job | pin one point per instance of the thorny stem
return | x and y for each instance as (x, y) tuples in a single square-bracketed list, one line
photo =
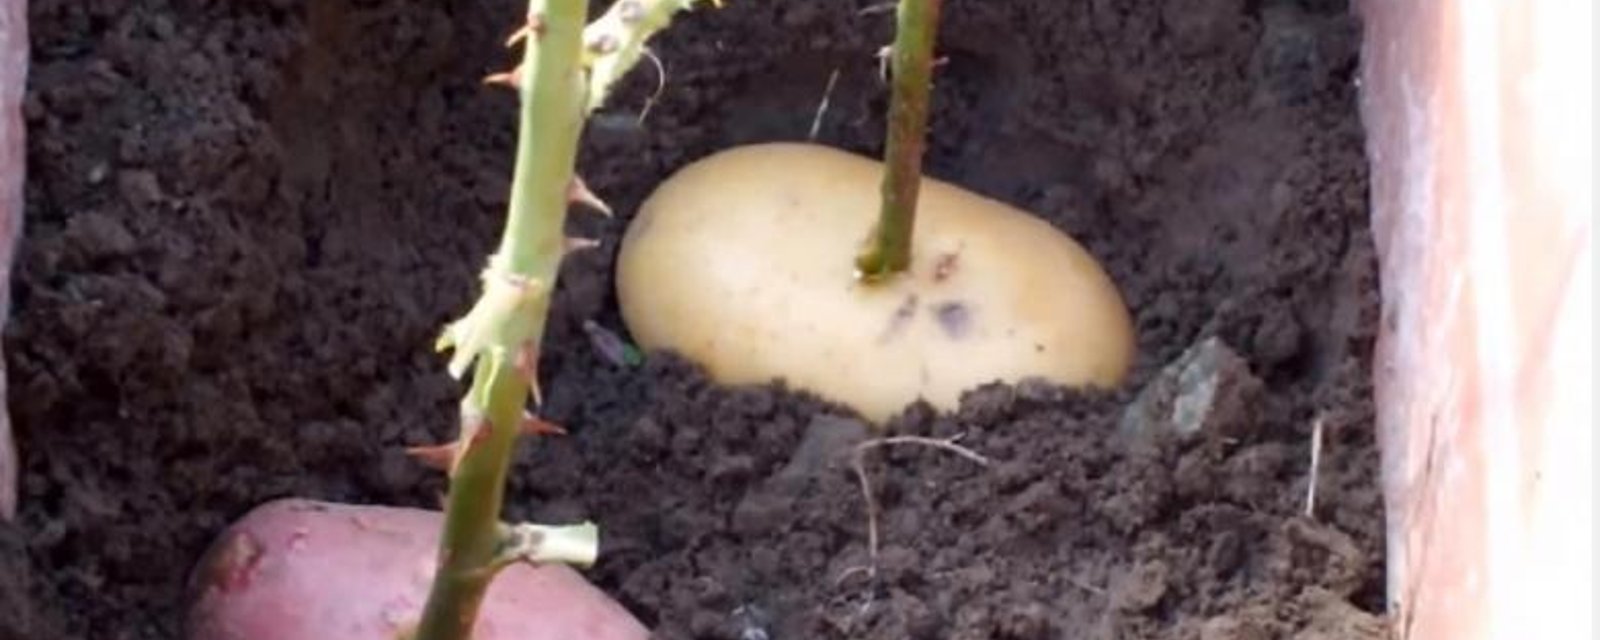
[(566, 72), (617, 40), (888, 251), (509, 318)]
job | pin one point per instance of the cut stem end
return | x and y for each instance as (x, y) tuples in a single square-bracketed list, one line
[(577, 545)]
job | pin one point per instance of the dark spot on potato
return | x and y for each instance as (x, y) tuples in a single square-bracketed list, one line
[(954, 317), (946, 266), (901, 317)]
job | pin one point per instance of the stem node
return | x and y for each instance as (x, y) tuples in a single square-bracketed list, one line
[(576, 545)]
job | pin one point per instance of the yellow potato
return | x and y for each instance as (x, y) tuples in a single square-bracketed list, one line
[(743, 262)]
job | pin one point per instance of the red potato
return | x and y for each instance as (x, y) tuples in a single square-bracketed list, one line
[(304, 570)]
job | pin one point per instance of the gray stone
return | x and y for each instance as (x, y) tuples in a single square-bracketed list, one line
[(98, 235), (1209, 389), (139, 187), (826, 445), (827, 442), (1142, 587)]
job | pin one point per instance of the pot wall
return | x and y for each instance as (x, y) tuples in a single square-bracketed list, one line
[(1479, 135)]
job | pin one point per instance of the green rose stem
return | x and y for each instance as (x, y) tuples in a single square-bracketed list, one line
[(566, 73), (888, 251)]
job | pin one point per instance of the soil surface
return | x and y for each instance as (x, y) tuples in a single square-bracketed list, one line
[(246, 222)]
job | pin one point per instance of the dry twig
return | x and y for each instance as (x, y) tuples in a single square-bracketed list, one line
[(1316, 462), (859, 464), (822, 107)]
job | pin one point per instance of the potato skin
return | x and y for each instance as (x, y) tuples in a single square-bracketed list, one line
[(742, 261), (296, 569)]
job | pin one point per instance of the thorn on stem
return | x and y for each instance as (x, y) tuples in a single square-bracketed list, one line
[(534, 27), (440, 457), (446, 340), (512, 78), (447, 457), (517, 36), (535, 426), (474, 428), (579, 192), (527, 364)]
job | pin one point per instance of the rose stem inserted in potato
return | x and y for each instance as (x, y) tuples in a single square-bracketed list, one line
[(888, 250), (566, 73), (750, 263)]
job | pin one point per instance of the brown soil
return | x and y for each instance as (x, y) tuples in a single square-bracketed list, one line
[(247, 221)]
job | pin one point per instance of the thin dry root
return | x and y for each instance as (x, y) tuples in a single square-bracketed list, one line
[(882, 7), (1089, 588), (822, 107), (661, 84), (859, 464), (1316, 462)]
